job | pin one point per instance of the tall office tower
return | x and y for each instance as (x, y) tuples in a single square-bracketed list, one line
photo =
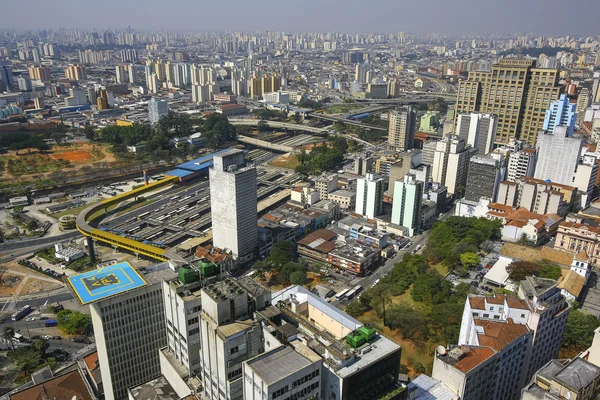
[(75, 72), (531, 327), (182, 310), (24, 84), (596, 88), (406, 207), (128, 315), (401, 131), (6, 76), (478, 130), (451, 163), (583, 101), (152, 83), (233, 204), (369, 196), (483, 178), (515, 91), (121, 74), (229, 335), (360, 74), (157, 108), (131, 73), (561, 113), (521, 163), (557, 156)]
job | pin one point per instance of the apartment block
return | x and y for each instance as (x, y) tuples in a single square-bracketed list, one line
[(483, 178), (478, 130), (451, 163), (369, 196), (402, 128), (326, 184), (406, 207), (537, 196)]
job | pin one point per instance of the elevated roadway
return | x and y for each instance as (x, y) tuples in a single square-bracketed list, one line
[(281, 125), (264, 144)]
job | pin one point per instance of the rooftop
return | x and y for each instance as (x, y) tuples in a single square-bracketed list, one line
[(465, 358), (534, 286), (572, 283), (277, 364), (424, 387), (499, 334), (63, 387), (158, 388), (577, 374)]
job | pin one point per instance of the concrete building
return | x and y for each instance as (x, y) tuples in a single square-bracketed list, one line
[(326, 184), (521, 163), (369, 196), (562, 112), (402, 129), (129, 326), (406, 207), (405, 162), (75, 72), (346, 199), (483, 178), (585, 177), (557, 156), (157, 108), (121, 73), (514, 84), (451, 163), (478, 130), (537, 196), (429, 122), (233, 204), (41, 73)]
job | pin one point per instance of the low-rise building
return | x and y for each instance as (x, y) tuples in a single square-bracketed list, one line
[(353, 258), (345, 198), (317, 245), (521, 223)]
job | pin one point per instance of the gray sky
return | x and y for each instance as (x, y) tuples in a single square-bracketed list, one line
[(549, 17)]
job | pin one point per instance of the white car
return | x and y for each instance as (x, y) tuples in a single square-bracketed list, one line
[(30, 319), (46, 337)]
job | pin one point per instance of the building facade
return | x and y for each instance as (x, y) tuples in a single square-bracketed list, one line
[(561, 113), (557, 156), (483, 178), (369, 196), (478, 130), (402, 129), (406, 207)]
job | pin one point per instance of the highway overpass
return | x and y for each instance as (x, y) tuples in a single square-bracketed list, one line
[(264, 144), (281, 125)]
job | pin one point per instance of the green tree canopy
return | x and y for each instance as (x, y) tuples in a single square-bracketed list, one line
[(74, 322)]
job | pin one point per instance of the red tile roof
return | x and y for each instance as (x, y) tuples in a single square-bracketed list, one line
[(474, 357), (64, 387), (499, 334)]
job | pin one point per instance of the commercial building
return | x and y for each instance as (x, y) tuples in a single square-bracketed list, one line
[(406, 207), (325, 184), (369, 196), (402, 128), (557, 156), (478, 130), (537, 196), (515, 91), (484, 177), (354, 258), (521, 163), (157, 108), (451, 163), (429, 122), (404, 163), (233, 204), (562, 112), (346, 199), (128, 315)]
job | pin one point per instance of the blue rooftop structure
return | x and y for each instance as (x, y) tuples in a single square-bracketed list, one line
[(200, 163), (105, 282), (180, 173)]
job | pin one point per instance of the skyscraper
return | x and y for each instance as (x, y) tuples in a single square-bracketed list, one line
[(514, 90), (360, 74), (233, 204), (402, 128), (6, 76), (131, 74), (451, 163), (369, 196), (483, 178), (478, 130), (121, 73), (406, 208), (558, 156), (157, 108), (75, 72), (561, 113)]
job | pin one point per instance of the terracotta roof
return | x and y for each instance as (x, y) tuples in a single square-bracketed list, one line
[(477, 303), (572, 283), (64, 387), (582, 256), (500, 206), (473, 358), (516, 303), (498, 299), (91, 361), (499, 334), (556, 255)]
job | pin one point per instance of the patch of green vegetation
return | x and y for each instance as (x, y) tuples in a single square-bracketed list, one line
[(74, 322), (70, 211)]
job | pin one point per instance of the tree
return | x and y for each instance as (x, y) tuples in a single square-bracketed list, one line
[(469, 260), (58, 137), (518, 270), (32, 225), (262, 126), (282, 252), (356, 308), (9, 333), (579, 331), (74, 322), (89, 131), (298, 278), (297, 117), (381, 296), (41, 346)]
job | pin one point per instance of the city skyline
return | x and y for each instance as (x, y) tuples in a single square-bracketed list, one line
[(450, 18)]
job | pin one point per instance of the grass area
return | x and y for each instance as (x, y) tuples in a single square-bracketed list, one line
[(288, 160), (439, 267), (404, 298), (73, 211), (341, 108), (34, 163)]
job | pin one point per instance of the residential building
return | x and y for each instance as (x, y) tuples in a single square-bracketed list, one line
[(129, 326), (121, 71), (41, 73), (585, 177), (521, 163), (451, 163), (406, 207), (369, 196), (405, 162), (537, 196), (346, 199), (75, 72), (429, 122), (354, 258), (233, 204), (562, 112), (515, 91), (157, 108), (325, 184), (483, 178), (478, 130), (402, 128), (564, 379), (557, 156), (6, 76)]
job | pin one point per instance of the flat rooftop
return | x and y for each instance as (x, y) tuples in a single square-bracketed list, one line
[(106, 282), (282, 362), (158, 388)]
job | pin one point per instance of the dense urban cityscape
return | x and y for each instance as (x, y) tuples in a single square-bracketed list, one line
[(269, 214)]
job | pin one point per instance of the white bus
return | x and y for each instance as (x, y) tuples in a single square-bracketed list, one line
[(342, 294)]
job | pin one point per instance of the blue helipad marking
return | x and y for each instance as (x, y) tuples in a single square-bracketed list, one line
[(105, 282)]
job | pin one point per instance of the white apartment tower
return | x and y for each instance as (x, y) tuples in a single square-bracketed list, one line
[(157, 108), (369, 196), (451, 163), (478, 130), (557, 156), (233, 204), (406, 207)]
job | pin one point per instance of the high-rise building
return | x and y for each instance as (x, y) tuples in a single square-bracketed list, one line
[(157, 108), (131, 73), (75, 72), (102, 100), (451, 163), (369, 196), (583, 101), (41, 73), (483, 178), (24, 84), (6, 76), (537, 196), (406, 207), (557, 156), (402, 128), (360, 74), (595, 95), (478, 130), (200, 93), (521, 163), (153, 83), (233, 204), (562, 112), (128, 315), (121, 73), (516, 92)]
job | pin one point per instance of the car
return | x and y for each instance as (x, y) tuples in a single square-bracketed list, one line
[(63, 266), (46, 337), (30, 319), (56, 338), (43, 318)]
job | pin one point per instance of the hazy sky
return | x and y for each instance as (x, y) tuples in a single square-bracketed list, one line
[(549, 17)]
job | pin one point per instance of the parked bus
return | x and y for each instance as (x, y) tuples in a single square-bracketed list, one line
[(174, 198), (341, 294), (21, 313), (143, 215), (353, 292), (51, 322)]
